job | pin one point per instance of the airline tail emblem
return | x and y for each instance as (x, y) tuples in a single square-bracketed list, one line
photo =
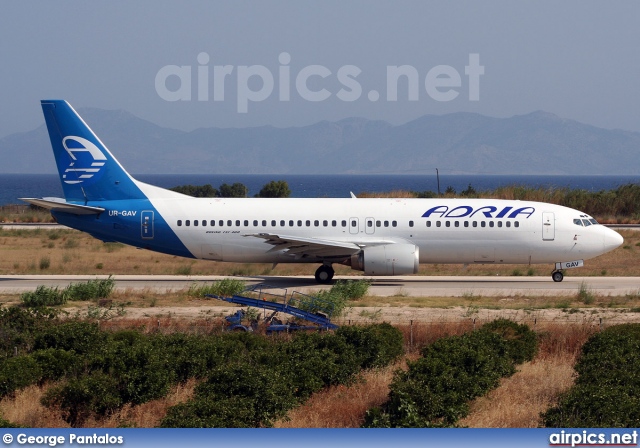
[(86, 160)]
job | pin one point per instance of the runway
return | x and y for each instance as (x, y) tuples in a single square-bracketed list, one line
[(414, 286)]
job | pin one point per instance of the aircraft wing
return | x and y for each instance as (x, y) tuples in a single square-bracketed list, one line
[(300, 247), (60, 205)]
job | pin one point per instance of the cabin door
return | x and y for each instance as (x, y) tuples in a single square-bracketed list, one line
[(548, 226)]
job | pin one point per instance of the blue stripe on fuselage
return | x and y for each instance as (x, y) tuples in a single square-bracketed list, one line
[(122, 222)]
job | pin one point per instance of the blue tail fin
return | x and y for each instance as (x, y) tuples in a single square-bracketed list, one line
[(87, 169)]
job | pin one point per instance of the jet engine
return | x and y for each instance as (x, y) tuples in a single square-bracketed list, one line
[(387, 259)]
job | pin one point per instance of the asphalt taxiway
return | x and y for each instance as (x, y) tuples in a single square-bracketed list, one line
[(415, 286)]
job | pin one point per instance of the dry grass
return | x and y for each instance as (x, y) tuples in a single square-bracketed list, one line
[(516, 403), (519, 400), (342, 406), (24, 408), (74, 252)]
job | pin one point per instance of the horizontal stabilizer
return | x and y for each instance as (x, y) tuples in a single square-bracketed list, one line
[(60, 205)]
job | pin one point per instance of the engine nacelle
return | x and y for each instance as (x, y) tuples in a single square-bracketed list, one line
[(387, 259)]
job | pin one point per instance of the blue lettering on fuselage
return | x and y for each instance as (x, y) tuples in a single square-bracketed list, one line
[(489, 211)]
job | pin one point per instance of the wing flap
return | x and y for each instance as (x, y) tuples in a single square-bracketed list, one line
[(300, 247)]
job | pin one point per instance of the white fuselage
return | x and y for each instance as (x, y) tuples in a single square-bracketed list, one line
[(455, 231)]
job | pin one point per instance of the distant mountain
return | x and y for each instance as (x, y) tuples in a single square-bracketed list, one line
[(536, 143)]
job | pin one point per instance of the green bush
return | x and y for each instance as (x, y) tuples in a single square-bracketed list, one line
[(436, 389), (227, 287), (46, 296), (521, 341), (18, 372), (78, 399), (607, 390), (376, 345), (91, 290), (43, 296)]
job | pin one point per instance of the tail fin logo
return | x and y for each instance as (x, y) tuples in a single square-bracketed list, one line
[(86, 160)]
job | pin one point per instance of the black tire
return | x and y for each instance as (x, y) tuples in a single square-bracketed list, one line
[(557, 276), (324, 274)]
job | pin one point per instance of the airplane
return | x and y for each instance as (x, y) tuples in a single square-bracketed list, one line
[(381, 237)]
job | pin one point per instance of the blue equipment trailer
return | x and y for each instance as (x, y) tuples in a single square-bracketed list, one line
[(302, 306)]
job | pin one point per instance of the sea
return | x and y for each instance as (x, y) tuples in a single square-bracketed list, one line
[(14, 186)]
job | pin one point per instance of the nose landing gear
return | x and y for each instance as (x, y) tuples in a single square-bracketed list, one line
[(557, 276)]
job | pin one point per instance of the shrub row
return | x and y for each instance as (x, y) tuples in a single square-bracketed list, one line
[(46, 296), (256, 390), (607, 390), (97, 372), (436, 389)]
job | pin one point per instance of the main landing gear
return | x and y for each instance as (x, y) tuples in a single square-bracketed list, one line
[(557, 276), (324, 274)]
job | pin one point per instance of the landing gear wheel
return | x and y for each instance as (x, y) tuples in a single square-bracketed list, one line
[(557, 276), (324, 274)]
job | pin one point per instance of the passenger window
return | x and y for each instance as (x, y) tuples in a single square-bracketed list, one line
[(179, 222), (499, 223), (187, 223), (394, 223), (237, 223), (410, 223), (447, 223), (273, 223), (334, 223), (516, 224), (354, 223), (291, 223), (378, 224), (428, 223), (316, 223), (213, 223), (282, 223), (255, 223), (466, 223), (229, 222), (483, 224), (221, 223), (475, 223), (246, 223), (344, 223), (307, 223), (457, 223), (204, 223), (264, 223), (299, 223), (491, 223), (508, 224), (195, 223), (325, 223), (438, 223), (386, 223), (369, 223)]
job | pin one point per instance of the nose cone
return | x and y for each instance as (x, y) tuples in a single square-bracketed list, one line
[(612, 239)]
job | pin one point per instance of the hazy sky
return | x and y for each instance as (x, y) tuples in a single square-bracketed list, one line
[(295, 63)]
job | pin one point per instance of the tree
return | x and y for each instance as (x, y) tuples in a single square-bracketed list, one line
[(197, 191), (275, 189), (236, 190)]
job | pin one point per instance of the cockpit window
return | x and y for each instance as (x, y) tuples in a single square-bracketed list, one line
[(577, 222), (586, 222), (593, 221)]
